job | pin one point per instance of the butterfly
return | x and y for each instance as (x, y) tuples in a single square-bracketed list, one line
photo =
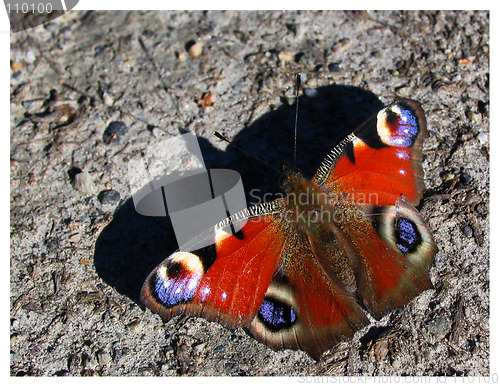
[(302, 271)]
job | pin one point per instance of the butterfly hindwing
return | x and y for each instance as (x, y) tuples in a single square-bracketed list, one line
[(304, 307), (395, 249)]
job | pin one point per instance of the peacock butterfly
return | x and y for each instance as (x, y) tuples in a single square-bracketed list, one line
[(302, 270)]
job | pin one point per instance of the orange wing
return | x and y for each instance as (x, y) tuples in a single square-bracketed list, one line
[(224, 282), (380, 162)]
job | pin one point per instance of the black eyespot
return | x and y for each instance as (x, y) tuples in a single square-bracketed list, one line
[(392, 117), (276, 315), (407, 236), (174, 268)]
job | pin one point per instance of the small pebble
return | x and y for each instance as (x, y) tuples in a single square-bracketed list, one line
[(108, 99), (103, 358), (28, 105), (83, 182), (52, 244), (30, 57), (135, 326), (15, 66), (87, 362), (404, 91), (447, 177), (220, 349), (230, 368), (51, 27), (483, 138), (397, 363), (341, 44), (183, 353), (381, 349), (334, 67), (311, 93), (99, 49), (285, 57), (439, 327), (117, 354), (476, 117), (66, 113), (289, 100), (109, 197), (465, 178), (114, 132), (467, 231), (196, 49)]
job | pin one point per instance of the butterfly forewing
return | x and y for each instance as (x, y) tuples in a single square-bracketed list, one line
[(225, 282), (380, 161)]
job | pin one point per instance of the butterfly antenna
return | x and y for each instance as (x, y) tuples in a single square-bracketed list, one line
[(297, 88), (220, 136)]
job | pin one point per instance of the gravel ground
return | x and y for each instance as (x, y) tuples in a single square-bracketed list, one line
[(79, 253)]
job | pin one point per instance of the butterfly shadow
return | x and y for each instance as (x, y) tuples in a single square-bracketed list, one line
[(132, 244)]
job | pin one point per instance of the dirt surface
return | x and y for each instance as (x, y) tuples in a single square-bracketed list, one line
[(79, 256)]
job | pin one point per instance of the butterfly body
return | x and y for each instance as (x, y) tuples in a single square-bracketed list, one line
[(301, 270)]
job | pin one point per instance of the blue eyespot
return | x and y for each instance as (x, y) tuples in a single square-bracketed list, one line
[(177, 290), (407, 236), (403, 127), (276, 315)]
